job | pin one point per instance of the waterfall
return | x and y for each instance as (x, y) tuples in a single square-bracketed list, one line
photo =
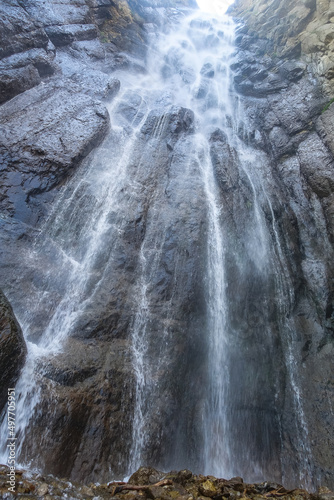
[(172, 216)]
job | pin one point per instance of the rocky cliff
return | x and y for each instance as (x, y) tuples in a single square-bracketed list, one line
[(56, 62), (284, 75), (66, 51), (57, 69), (149, 483), (13, 349)]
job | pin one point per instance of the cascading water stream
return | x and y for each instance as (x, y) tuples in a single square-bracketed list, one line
[(182, 55), (72, 248), (171, 169)]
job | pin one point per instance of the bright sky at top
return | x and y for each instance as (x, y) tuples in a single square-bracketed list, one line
[(214, 6)]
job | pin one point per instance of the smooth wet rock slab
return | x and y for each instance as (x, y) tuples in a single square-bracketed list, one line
[(59, 126)]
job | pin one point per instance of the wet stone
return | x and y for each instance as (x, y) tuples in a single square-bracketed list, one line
[(42, 490), (146, 475), (208, 489), (183, 476)]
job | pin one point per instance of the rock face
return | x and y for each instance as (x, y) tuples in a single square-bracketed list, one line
[(31, 36), (47, 46), (291, 30), (60, 113), (55, 69), (284, 78), (130, 256), (59, 127), (12, 349), (26, 53)]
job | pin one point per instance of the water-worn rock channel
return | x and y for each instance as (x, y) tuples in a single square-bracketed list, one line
[(167, 243)]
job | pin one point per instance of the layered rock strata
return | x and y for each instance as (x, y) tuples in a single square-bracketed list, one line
[(12, 349)]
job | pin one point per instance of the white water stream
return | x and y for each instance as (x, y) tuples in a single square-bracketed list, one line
[(188, 67)]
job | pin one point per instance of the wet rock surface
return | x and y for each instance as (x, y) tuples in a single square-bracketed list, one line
[(52, 76), (12, 349), (64, 50), (152, 484), (55, 77), (279, 75), (59, 127), (289, 30), (93, 383)]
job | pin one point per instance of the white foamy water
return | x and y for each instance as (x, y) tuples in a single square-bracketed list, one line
[(189, 67)]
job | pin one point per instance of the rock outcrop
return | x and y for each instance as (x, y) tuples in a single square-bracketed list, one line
[(289, 29), (93, 380), (12, 349), (55, 78), (60, 125), (285, 80)]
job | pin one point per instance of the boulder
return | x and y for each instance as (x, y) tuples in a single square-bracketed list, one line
[(12, 348), (207, 489), (146, 475), (66, 34)]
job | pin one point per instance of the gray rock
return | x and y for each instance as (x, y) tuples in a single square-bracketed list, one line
[(224, 160), (296, 106), (132, 107), (270, 85), (169, 124), (56, 12), (18, 31), (325, 127), (22, 71), (97, 84), (292, 70), (36, 57), (317, 164), (59, 126), (15, 81), (94, 49), (12, 349), (279, 138)]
